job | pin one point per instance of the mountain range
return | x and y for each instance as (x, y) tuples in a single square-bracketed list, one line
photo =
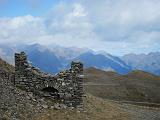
[(54, 58), (106, 95), (149, 62)]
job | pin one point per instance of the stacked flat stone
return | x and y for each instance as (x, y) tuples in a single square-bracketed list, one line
[(68, 83)]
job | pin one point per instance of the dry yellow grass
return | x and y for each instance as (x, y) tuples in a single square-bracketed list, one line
[(4, 66), (136, 86), (95, 109)]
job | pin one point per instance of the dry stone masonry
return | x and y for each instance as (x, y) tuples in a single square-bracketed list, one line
[(65, 87)]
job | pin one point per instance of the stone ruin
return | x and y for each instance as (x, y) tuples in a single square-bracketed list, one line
[(65, 87)]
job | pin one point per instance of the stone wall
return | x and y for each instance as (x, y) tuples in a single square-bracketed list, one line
[(66, 86)]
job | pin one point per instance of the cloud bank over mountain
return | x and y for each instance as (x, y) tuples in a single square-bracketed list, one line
[(118, 27)]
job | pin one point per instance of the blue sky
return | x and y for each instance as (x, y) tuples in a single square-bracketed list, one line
[(13, 8), (117, 27)]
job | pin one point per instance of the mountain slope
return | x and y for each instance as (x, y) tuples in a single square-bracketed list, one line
[(102, 62), (136, 86), (16, 104), (7, 53), (4, 66), (43, 58), (67, 53), (94, 109), (146, 62), (59, 58)]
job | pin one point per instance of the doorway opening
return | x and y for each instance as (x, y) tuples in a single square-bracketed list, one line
[(51, 92)]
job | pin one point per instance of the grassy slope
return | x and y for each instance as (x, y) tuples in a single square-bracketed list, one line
[(135, 86), (99, 109), (95, 109), (4, 66)]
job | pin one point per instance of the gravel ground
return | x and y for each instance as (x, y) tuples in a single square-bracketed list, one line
[(19, 105), (140, 112), (16, 104)]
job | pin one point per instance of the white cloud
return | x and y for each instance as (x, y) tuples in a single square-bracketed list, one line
[(115, 20), (21, 29), (72, 27), (115, 26)]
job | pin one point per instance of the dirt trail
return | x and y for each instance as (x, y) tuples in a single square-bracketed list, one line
[(141, 112)]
